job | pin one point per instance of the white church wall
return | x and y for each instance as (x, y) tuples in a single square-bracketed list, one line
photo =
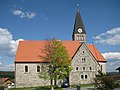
[(103, 67)]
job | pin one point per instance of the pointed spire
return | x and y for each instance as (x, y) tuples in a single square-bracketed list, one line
[(78, 6), (78, 22)]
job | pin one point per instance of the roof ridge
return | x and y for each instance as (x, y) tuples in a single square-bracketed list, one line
[(47, 40)]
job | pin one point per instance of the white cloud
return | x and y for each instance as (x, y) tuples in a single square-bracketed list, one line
[(8, 46), (9, 67), (23, 14), (13, 47), (30, 15), (0, 61), (113, 60), (112, 55), (113, 65), (111, 37)]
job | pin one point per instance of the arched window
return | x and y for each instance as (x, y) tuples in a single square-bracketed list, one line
[(85, 76), (38, 68), (78, 37), (82, 77), (26, 68), (90, 68), (82, 38), (83, 68), (76, 68)]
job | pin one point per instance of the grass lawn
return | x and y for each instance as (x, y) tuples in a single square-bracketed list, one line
[(48, 87), (83, 85), (36, 88)]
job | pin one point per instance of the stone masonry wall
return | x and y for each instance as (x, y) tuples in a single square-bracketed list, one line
[(83, 70), (30, 78)]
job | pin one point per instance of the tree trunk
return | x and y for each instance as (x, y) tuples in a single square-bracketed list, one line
[(52, 84), (52, 87)]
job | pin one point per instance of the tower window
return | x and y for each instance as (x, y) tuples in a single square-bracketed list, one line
[(82, 38), (26, 68), (85, 76), (78, 37), (38, 68), (82, 77), (76, 68)]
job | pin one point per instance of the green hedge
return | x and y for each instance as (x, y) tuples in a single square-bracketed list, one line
[(1, 87)]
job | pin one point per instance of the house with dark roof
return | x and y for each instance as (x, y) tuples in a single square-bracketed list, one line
[(86, 60), (118, 69)]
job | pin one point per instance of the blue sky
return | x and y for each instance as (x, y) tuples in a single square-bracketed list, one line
[(38, 19)]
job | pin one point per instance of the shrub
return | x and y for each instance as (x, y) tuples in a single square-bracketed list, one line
[(107, 82), (1, 87)]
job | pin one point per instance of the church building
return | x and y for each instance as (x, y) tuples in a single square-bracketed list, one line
[(86, 60)]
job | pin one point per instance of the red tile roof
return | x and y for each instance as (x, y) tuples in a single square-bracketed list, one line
[(30, 51), (98, 56)]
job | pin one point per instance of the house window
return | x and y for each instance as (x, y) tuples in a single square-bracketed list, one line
[(38, 68), (76, 68), (85, 76), (83, 68), (90, 68), (82, 77), (26, 68)]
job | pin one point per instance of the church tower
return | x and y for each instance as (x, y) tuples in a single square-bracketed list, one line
[(79, 33)]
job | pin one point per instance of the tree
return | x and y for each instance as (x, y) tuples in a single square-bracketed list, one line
[(59, 62)]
